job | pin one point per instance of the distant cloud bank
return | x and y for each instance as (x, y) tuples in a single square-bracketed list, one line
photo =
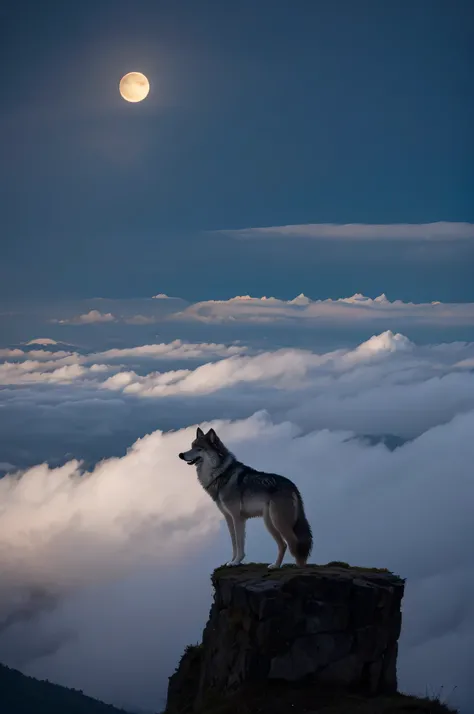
[(244, 308), (440, 231), (271, 310)]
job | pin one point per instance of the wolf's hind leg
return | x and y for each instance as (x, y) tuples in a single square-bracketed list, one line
[(283, 517), (276, 535)]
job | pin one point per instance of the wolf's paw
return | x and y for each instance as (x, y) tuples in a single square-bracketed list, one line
[(233, 563)]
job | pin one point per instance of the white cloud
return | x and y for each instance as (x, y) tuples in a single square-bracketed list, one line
[(23, 361), (348, 389), (132, 311), (42, 341), (61, 356), (13, 353), (47, 355), (99, 538), (67, 536), (177, 349), (88, 318), (341, 312), (345, 388), (112, 553), (280, 368), (442, 230), (30, 371), (245, 313), (90, 370), (45, 509), (380, 344)]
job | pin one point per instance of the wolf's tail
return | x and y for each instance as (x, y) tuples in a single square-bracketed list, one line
[(302, 530)]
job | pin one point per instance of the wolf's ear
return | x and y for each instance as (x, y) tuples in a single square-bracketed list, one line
[(199, 433), (212, 436)]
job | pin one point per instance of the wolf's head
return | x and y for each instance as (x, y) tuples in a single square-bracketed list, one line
[(206, 448)]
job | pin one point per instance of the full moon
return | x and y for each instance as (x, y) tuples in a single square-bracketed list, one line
[(134, 87)]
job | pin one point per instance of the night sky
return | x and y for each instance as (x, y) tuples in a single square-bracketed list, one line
[(323, 147), (260, 114)]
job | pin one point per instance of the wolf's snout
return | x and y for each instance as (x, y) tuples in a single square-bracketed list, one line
[(181, 455)]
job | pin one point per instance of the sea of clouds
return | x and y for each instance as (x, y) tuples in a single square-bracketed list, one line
[(106, 539)]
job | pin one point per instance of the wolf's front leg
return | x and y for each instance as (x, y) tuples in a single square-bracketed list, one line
[(239, 528), (230, 525)]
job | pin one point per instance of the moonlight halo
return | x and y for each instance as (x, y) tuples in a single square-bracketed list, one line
[(134, 87)]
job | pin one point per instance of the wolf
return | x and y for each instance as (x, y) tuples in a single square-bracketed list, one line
[(241, 492)]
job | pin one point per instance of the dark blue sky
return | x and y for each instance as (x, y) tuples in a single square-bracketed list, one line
[(260, 113)]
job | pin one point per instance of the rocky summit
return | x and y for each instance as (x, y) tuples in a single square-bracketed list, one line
[(295, 637)]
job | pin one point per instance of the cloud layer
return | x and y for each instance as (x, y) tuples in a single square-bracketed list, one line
[(343, 311), (96, 558), (67, 394), (82, 540), (440, 231), (293, 322)]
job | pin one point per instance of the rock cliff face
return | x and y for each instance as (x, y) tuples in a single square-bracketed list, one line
[(331, 625)]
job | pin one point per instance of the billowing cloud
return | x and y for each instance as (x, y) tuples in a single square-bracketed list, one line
[(345, 388), (12, 353), (177, 349), (440, 231), (95, 559), (22, 361), (76, 505), (92, 539), (67, 536), (59, 356), (30, 371), (279, 368)]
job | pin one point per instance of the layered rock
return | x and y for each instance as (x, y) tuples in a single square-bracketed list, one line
[(333, 625)]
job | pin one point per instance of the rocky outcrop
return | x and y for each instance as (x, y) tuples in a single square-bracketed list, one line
[(331, 625)]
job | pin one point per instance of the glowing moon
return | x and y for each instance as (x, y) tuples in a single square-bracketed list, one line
[(134, 87)]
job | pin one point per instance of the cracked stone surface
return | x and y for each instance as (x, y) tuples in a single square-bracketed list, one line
[(335, 624)]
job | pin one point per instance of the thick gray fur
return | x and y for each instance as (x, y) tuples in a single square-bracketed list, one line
[(241, 492)]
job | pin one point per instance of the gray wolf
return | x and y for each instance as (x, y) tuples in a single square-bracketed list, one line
[(241, 492)]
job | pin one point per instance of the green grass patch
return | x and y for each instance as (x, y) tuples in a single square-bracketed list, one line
[(252, 570)]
